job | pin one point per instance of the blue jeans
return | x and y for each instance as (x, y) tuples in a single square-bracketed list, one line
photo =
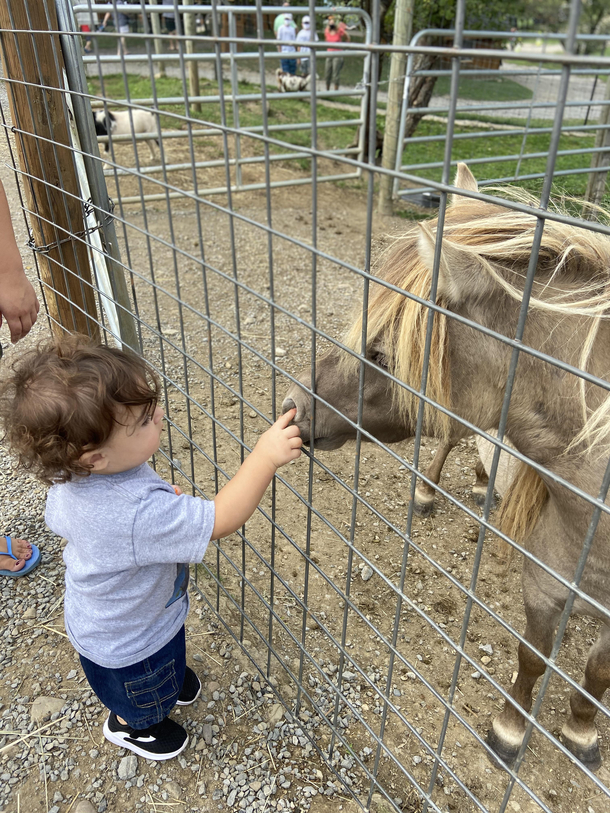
[(289, 66), (145, 692)]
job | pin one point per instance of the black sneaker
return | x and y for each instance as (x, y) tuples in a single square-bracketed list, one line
[(163, 740), (191, 688)]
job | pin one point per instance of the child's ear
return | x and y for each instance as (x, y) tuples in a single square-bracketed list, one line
[(94, 460)]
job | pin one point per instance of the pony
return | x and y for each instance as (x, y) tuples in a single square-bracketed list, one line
[(556, 419)]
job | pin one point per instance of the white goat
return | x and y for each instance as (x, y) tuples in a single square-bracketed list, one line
[(289, 83), (120, 123)]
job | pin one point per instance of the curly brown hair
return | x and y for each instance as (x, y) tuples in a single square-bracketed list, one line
[(65, 397)]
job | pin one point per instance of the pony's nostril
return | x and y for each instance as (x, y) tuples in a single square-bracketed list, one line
[(288, 405)]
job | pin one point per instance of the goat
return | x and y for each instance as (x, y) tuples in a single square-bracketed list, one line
[(289, 83), (112, 124)]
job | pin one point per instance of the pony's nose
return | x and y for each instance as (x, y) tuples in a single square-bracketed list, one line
[(288, 405)]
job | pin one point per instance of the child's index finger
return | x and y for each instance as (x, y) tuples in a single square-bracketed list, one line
[(284, 420)]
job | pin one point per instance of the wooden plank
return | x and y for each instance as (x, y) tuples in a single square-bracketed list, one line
[(33, 58)]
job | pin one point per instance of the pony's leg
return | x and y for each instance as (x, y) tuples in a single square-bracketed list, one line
[(479, 489), (508, 729), (579, 732), (424, 493)]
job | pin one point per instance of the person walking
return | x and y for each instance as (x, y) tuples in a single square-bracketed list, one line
[(122, 26)]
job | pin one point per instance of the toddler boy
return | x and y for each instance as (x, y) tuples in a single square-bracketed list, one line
[(85, 419)]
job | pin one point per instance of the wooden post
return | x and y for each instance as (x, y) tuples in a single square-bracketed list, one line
[(49, 176), (155, 22), (403, 28), (596, 185), (190, 30)]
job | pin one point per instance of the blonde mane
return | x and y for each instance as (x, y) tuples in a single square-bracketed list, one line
[(399, 323), (572, 278)]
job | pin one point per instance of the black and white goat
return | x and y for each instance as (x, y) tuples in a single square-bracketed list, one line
[(289, 83), (120, 123)]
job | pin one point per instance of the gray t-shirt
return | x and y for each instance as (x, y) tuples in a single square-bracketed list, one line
[(126, 596)]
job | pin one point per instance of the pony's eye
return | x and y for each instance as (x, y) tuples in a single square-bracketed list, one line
[(380, 359)]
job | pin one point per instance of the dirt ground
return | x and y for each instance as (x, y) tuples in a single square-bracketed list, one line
[(204, 278)]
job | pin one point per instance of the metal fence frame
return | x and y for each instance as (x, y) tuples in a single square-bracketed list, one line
[(110, 303), (537, 66), (235, 60)]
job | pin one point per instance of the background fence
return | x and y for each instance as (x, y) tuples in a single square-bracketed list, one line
[(386, 642)]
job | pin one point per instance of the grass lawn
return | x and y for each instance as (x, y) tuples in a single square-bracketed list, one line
[(281, 111), (498, 144), (496, 87), (418, 152)]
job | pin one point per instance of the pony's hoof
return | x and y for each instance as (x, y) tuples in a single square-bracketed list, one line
[(423, 509), (505, 754), (589, 756), (480, 497)]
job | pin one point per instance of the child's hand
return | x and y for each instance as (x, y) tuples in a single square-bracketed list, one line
[(178, 491), (281, 443)]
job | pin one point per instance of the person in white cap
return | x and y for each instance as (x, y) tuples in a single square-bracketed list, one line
[(279, 20), (287, 34), (306, 34)]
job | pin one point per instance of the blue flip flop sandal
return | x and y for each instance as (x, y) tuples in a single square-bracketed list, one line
[(29, 565)]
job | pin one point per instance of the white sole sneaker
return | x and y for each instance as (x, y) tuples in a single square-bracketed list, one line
[(164, 740)]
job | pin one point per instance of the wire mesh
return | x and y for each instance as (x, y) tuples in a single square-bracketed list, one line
[(387, 640)]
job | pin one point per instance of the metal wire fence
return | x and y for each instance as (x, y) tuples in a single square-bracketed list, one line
[(390, 639)]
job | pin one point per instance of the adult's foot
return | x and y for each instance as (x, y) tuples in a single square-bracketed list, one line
[(21, 549)]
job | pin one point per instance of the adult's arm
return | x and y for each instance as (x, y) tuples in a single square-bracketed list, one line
[(18, 303)]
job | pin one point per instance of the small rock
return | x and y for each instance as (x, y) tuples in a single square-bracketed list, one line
[(173, 789), (44, 707), (128, 767), (71, 674), (207, 733), (84, 806), (279, 351), (367, 573), (276, 712), (487, 648)]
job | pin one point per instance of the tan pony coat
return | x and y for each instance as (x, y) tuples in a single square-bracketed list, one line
[(499, 241)]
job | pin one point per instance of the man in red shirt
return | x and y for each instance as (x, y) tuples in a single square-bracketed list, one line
[(335, 32)]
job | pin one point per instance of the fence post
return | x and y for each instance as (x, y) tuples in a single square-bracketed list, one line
[(33, 59), (155, 22), (110, 273), (190, 30), (403, 27), (596, 185)]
